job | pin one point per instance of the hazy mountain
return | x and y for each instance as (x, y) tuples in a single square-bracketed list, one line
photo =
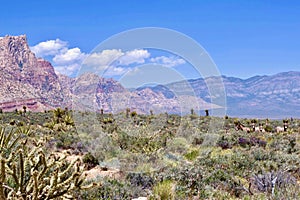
[(275, 96)]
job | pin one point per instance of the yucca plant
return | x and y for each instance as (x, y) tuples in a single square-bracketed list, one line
[(272, 181)]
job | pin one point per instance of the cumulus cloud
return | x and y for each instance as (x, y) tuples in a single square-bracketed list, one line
[(68, 70), (113, 61), (64, 59), (116, 71), (168, 61), (135, 56), (69, 56), (49, 48), (68, 61), (103, 58)]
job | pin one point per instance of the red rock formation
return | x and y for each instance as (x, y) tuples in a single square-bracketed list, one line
[(24, 77)]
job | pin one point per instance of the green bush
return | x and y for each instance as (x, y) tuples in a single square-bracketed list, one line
[(192, 154), (164, 191), (90, 161)]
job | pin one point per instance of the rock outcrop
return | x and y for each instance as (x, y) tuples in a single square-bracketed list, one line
[(25, 78)]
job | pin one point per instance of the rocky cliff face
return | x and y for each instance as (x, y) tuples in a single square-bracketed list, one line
[(25, 77)]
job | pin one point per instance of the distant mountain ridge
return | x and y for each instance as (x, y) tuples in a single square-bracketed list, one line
[(32, 82), (275, 96)]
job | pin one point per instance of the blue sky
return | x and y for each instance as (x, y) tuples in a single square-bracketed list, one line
[(244, 38)]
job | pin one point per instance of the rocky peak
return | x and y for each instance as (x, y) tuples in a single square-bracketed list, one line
[(24, 76), (15, 54), (17, 59)]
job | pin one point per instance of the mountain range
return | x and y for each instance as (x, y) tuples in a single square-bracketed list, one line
[(32, 82)]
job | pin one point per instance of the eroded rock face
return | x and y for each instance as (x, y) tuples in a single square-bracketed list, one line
[(25, 78)]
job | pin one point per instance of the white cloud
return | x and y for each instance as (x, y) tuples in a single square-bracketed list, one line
[(68, 69), (69, 61), (65, 61), (116, 71), (103, 58), (49, 48), (69, 56), (135, 56), (168, 61), (115, 61)]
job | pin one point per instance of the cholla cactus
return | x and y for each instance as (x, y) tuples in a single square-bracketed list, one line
[(26, 172)]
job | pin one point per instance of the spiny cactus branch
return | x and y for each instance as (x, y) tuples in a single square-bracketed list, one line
[(27, 173)]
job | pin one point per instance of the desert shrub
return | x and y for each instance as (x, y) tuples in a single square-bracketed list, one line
[(197, 141), (252, 141), (139, 182), (292, 145), (140, 179), (242, 163), (192, 154), (133, 114), (12, 122), (164, 191), (66, 140), (244, 142), (178, 145), (171, 149), (268, 128), (188, 179), (224, 143), (90, 161), (210, 139), (109, 189), (260, 155)]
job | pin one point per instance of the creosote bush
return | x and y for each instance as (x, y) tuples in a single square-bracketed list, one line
[(90, 160)]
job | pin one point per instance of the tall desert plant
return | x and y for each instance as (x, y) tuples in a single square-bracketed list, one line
[(27, 172)]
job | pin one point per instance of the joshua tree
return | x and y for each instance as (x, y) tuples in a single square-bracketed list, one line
[(206, 113), (58, 114), (24, 109), (192, 111), (133, 114), (267, 122), (151, 112), (127, 112), (167, 116)]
